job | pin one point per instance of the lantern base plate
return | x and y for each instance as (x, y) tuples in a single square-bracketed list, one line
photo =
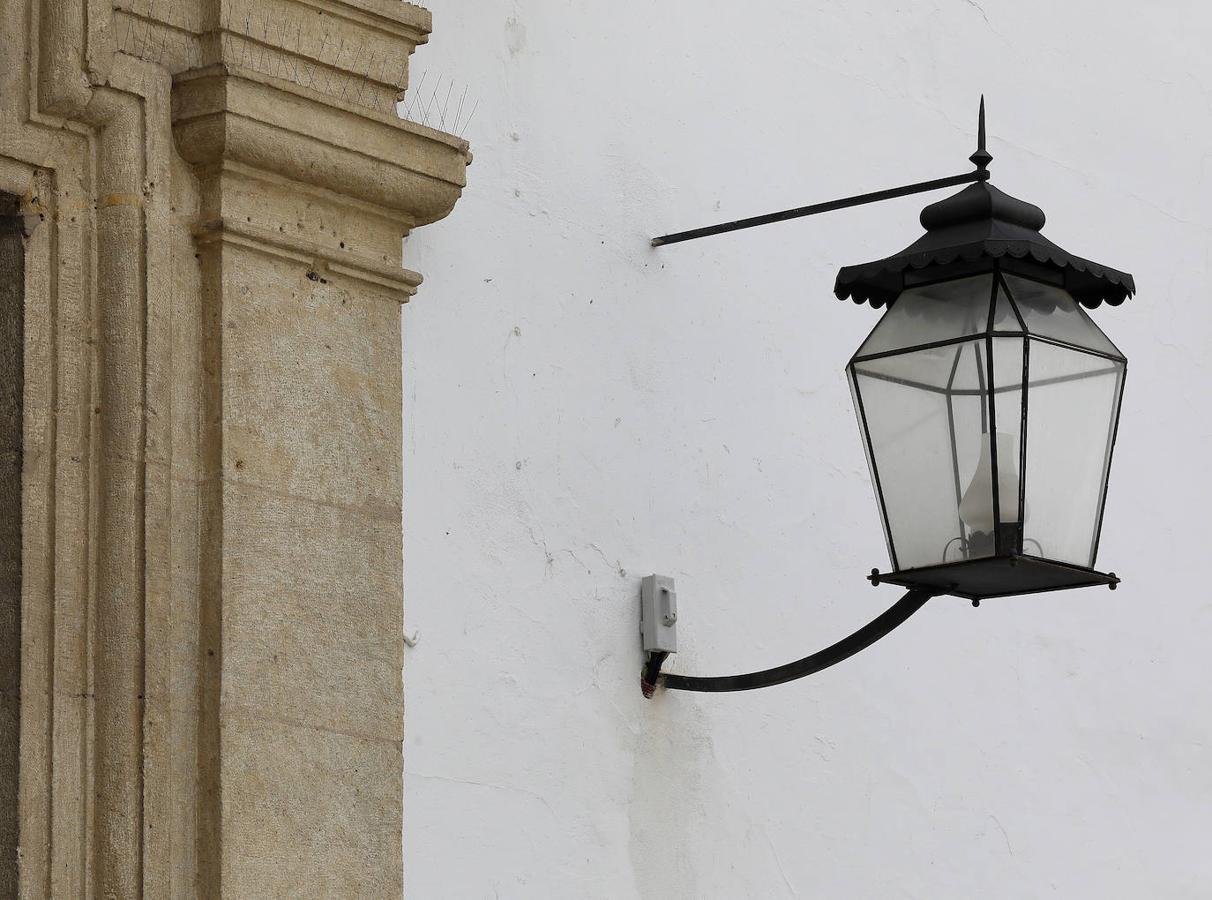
[(998, 576)]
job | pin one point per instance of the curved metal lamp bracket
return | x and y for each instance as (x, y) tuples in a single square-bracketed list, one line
[(879, 627)]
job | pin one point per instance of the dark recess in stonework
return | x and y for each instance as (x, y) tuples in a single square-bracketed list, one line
[(12, 380)]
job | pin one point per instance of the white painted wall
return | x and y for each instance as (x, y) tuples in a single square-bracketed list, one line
[(583, 410)]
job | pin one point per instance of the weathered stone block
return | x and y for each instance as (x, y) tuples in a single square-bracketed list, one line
[(312, 385), (277, 777), (312, 614)]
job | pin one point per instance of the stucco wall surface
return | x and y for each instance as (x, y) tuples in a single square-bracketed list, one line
[(582, 410)]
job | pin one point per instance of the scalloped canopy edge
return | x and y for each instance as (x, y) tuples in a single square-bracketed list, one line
[(982, 222)]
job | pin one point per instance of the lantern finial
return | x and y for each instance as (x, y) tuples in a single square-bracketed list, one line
[(982, 157)]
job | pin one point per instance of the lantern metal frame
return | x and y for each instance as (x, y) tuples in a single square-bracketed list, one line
[(1009, 570), (978, 231)]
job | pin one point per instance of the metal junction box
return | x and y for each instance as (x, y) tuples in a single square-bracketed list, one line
[(659, 614)]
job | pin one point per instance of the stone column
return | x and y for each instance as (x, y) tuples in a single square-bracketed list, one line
[(212, 620)]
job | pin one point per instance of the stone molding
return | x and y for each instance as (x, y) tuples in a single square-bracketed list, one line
[(401, 283), (225, 114), (340, 48)]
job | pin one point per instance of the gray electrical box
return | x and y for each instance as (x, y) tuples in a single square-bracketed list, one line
[(659, 614)]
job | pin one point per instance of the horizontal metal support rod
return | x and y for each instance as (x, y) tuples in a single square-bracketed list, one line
[(827, 206), (823, 659)]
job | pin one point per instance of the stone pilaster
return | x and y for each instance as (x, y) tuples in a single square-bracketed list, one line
[(302, 205), (211, 610)]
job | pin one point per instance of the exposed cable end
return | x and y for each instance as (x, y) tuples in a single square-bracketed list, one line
[(652, 672)]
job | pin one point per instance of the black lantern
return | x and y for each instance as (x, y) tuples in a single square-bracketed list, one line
[(988, 400)]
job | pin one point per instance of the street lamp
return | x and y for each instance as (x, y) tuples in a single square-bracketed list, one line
[(988, 402)]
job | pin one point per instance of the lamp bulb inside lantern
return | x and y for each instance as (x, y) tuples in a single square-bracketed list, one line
[(976, 506)]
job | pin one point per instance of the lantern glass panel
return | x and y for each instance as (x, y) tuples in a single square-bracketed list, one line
[(924, 413), (1052, 312), (1005, 317), (1072, 413), (859, 411), (932, 312), (1006, 453)]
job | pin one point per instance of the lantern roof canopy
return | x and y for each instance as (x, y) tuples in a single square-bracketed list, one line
[(968, 231)]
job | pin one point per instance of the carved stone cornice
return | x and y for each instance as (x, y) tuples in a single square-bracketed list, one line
[(273, 125)]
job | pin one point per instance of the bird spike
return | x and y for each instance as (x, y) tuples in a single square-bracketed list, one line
[(982, 157)]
